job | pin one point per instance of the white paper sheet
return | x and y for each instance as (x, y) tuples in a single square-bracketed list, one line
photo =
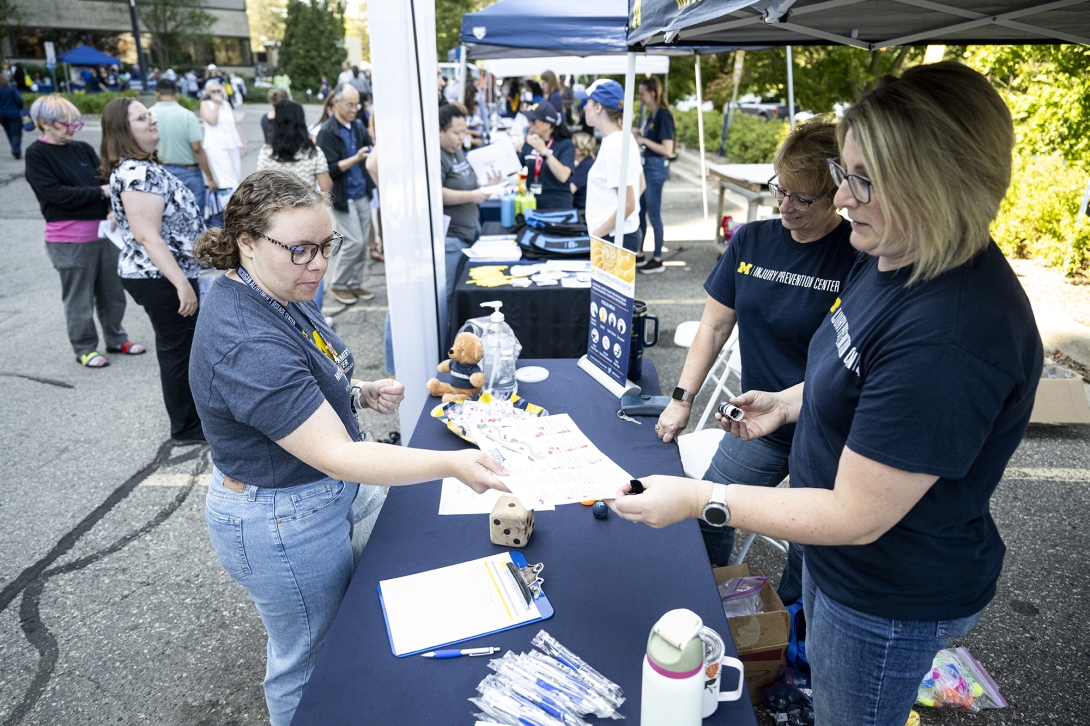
[(551, 461), (106, 230), (453, 603), (456, 498), (499, 156)]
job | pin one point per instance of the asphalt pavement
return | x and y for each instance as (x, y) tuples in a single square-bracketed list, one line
[(114, 609)]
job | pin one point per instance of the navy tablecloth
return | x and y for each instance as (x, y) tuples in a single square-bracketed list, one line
[(609, 580)]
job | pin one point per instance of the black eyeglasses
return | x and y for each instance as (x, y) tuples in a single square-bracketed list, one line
[(780, 194), (304, 252), (859, 186)]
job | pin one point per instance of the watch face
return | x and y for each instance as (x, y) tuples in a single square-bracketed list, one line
[(679, 394), (715, 515)]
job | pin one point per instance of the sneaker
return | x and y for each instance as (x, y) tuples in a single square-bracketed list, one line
[(362, 293), (344, 297), (188, 438), (652, 267), (641, 260)]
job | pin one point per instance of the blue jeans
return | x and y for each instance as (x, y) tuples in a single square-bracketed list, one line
[(756, 463), (193, 179), (293, 549), (13, 125), (866, 668), (656, 172)]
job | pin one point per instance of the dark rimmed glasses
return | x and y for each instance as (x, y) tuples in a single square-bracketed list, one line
[(859, 186), (304, 252), (800, 202)]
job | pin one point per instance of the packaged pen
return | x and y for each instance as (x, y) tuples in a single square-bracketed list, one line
[(550, 646), (512, 710), (558, 708)]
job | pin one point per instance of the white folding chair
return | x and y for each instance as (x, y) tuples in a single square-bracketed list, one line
[(698, 448)]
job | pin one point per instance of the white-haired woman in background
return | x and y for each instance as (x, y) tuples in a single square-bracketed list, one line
[(223, 137), (73, 198)]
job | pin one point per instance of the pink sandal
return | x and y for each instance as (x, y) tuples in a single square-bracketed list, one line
[(128, 348)]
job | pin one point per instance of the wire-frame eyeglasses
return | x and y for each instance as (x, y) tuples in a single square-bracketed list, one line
[(304, 252)]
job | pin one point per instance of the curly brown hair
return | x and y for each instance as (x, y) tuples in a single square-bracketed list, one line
[(250, 210)]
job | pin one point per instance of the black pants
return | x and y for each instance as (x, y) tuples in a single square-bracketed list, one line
[(173, 341)]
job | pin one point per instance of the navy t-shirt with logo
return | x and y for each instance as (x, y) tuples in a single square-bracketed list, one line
[(256, 379), (554, 194), (937, 378), (658, 128), (781, 290)]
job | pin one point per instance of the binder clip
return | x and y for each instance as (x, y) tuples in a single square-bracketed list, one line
[(510, 523), (531, 575)]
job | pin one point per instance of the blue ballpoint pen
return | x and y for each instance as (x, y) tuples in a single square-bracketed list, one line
[(458, 653)]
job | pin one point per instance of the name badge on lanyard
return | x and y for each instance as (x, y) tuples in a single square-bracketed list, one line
[(535, 189)]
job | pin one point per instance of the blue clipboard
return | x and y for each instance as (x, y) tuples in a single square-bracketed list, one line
[(544, 607)]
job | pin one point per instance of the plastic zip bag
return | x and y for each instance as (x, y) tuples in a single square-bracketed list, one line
[(742, 596), (957, 680)]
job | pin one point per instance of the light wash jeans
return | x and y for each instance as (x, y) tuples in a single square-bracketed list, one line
[(756, 463), (294, 550), (866, 669), (193, 179), (355, 225)]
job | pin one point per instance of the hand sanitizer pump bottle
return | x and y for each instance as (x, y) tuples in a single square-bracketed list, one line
[(673, 671), (498, 363)]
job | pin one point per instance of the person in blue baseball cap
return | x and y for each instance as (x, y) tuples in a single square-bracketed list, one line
[(549, 157), (604, 111)]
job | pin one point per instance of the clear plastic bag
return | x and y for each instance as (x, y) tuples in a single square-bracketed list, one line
[(957, 680), (742, 596)]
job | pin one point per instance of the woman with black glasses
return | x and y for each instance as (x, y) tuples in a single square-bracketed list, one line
[(295, 492), (776, 281)]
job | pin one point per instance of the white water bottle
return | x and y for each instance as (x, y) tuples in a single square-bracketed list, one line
[(673, 671), (498, 363)]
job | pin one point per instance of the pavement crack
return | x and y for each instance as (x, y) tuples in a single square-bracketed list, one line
[(31, 582), (39, 379)]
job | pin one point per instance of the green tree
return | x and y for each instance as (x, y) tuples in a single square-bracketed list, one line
[(448, 22), (174, 25), (266, 20), (1047, 88), (10, 19), (313, 43)]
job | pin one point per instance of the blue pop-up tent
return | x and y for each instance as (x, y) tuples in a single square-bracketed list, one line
[(85, 55), (530, 28)]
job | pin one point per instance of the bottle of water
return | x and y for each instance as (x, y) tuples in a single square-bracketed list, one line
[(673, 672), (498, 363)]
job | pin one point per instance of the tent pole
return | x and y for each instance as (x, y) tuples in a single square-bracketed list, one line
[(790, 88), (626, 144), (700, 130), (464, 93)]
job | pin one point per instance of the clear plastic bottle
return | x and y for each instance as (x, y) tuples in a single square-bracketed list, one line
[(498, 364)]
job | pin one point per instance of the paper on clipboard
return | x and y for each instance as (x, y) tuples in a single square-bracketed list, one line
[(499, 156), (456, 498), (455, 603)]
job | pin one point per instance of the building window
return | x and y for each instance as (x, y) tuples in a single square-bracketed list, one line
[(232, 52)]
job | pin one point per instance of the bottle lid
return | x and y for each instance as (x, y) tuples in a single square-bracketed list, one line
[(496, 316), (674, 648)]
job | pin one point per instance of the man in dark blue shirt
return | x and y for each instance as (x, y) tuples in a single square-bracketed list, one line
[(346, 144)]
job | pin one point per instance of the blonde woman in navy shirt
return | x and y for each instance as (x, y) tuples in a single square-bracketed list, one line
[(919, 386)]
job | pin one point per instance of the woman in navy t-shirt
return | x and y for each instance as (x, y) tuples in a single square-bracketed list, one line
[(273, 384), (549, 157), (777, 279), (919, 386), (656, 138)]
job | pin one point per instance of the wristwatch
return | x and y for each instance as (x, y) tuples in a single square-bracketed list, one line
[(680, 394), (548, 153), (715, 512)]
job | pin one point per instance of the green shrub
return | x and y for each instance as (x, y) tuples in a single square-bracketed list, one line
[(87, 103), (751, 140), (1037, 218)]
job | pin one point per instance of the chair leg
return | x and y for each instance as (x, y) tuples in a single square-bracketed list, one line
[(741, 556)]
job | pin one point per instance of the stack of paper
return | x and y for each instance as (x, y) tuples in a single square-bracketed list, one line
[(551, 461), (502, 248)]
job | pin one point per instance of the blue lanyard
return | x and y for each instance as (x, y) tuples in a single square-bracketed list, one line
[(319, 342)]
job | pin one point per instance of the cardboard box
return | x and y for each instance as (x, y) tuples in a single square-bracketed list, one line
[(761, 639), (1060, 399)]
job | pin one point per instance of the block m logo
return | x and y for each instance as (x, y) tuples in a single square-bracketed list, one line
[(745, 268)]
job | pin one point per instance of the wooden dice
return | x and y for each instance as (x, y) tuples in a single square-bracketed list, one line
[(510, 523)]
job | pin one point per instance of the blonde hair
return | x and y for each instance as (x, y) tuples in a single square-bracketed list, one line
[(937, 145), (801, 162), (250, 210), (52, 109), (585, 142)]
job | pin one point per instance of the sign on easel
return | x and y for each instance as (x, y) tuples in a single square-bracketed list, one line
[(609, 337)]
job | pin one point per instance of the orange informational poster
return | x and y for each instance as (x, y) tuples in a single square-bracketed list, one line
[(612, 287)]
